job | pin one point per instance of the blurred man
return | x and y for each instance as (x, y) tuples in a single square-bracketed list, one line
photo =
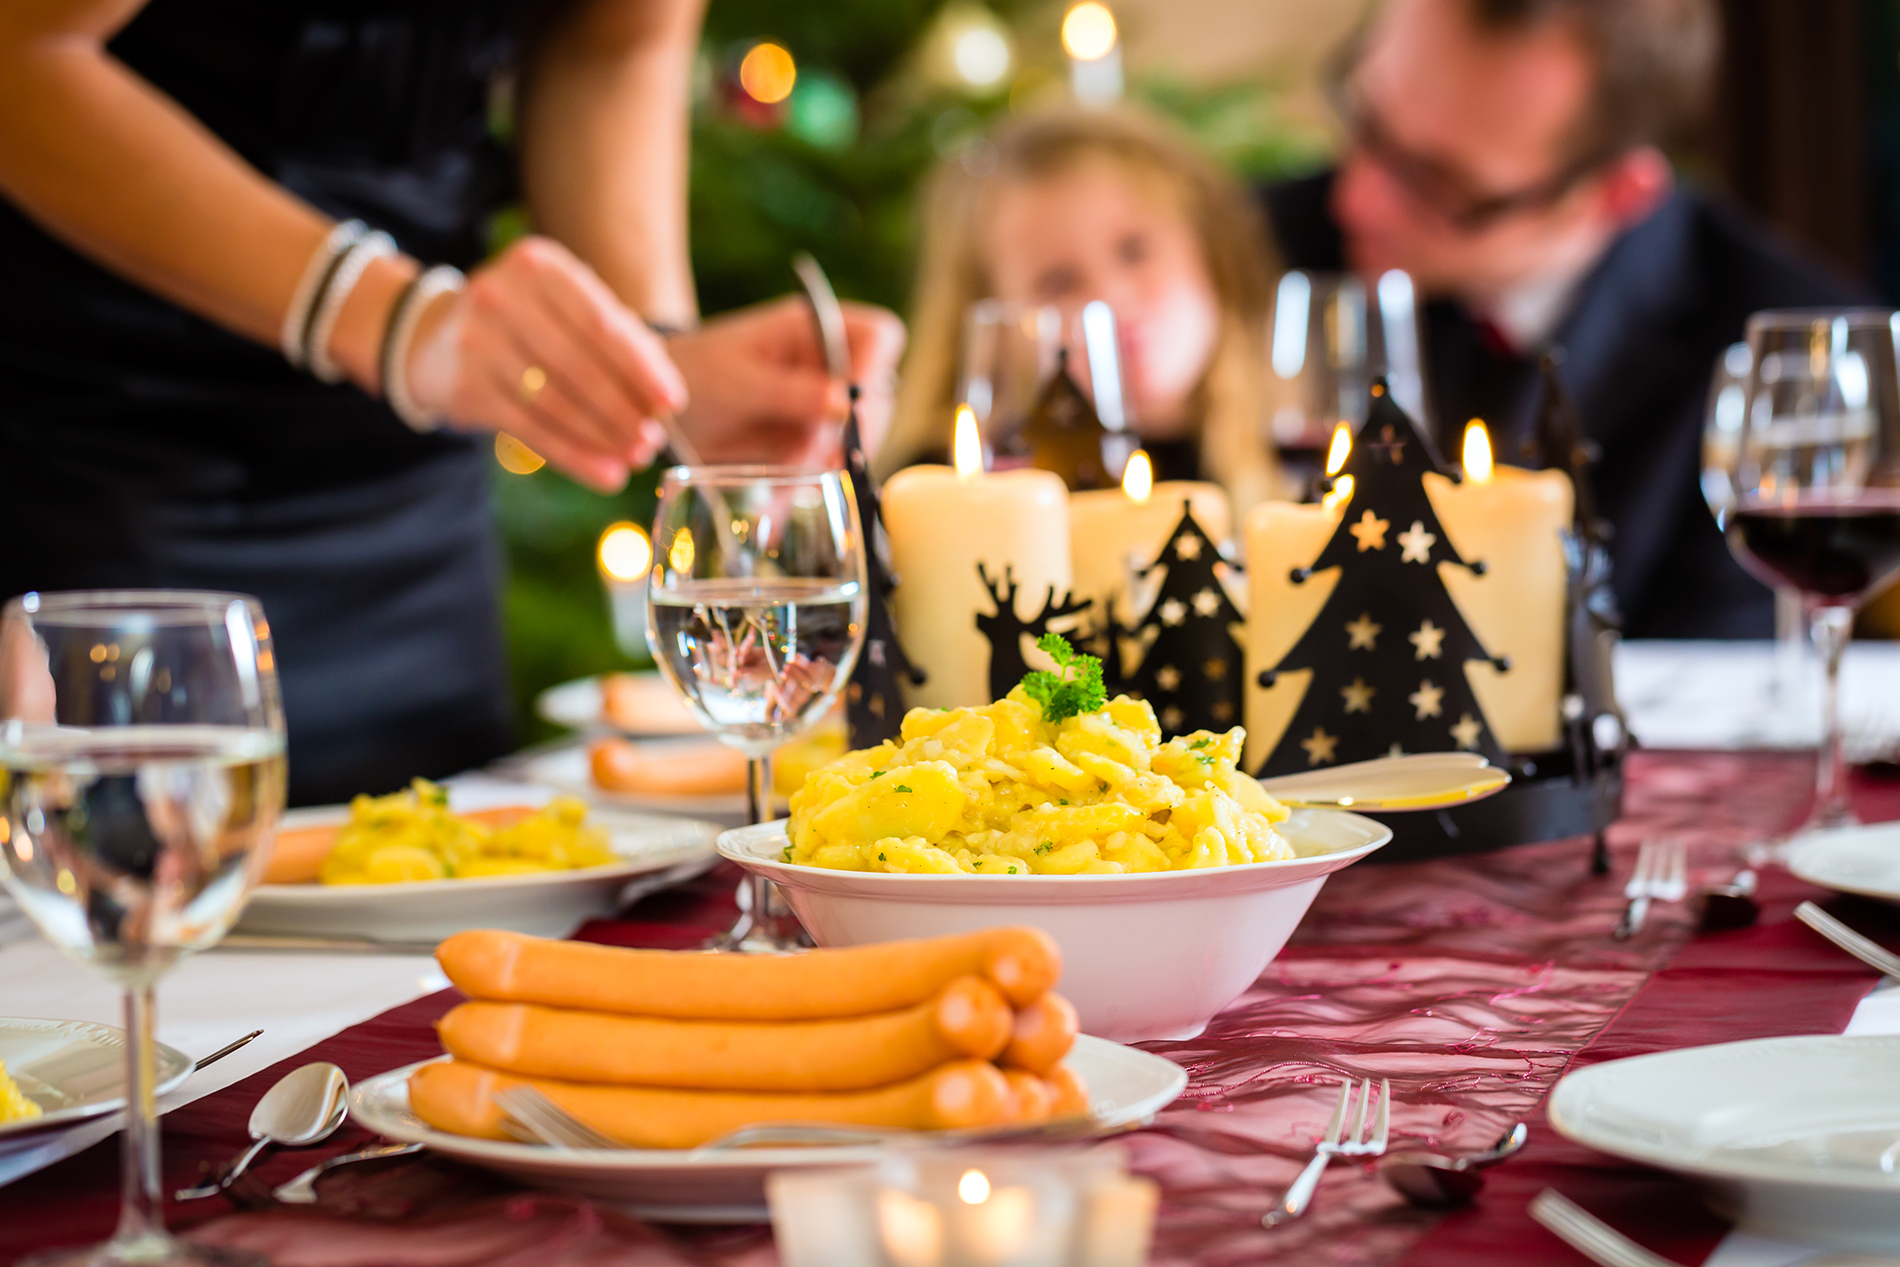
[(1506, 154)]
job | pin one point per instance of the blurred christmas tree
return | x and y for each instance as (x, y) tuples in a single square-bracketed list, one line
[(848, 107)]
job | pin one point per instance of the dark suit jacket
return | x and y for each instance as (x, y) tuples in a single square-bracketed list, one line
[(1639, 347)]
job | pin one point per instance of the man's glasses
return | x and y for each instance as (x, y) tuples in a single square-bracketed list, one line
[(1442, 192)]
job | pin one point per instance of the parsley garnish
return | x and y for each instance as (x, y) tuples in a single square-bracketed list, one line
[(880, 857), (787, 855), (1198, 744), (1044, 847), (1207, 760), (1073, 689), (1062, 802), (877, 774), (1012, 871), (902, 788), (977, 863)]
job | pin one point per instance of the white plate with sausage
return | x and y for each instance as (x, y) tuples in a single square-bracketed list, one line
[(1127, 1088)]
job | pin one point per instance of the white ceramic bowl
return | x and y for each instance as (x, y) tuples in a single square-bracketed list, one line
[(1144, 956)]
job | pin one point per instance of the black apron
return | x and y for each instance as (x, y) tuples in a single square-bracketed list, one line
[(142, 446)]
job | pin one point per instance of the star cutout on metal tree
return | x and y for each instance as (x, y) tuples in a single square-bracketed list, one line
[(1369, 532), (1395, 751), (1358, 696), (1319, 749), (1171, 718), (1167, 677), (1206, 603), (1215, 670), (1173, 612), (1426, 699), (1415, 544), (1188, 547), (1429, 639), (1466, 732), (1362, 634)]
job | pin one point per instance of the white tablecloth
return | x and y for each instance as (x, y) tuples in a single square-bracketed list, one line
[(1732, 695)]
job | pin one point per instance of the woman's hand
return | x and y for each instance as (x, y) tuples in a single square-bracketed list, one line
[(537, 346), (761, 391)]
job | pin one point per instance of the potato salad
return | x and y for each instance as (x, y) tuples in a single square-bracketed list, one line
[(1006, 790)]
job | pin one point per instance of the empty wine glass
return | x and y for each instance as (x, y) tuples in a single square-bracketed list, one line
[(1331, 336), (1814, 486), (756, 615), (142, 765)]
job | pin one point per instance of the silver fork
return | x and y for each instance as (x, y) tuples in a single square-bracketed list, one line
[(1589, 1235), (1876, 957), (1361, 1144), (533, 1116), (1661, 875)]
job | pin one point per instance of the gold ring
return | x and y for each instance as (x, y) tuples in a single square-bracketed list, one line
[(533, 379)]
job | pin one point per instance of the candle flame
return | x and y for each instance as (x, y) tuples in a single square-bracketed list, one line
[(974, 1187), (1340, 450), (1138, 479), (967, 448), (624, 553), (680, 556), (1341, 494), (1477, 452)]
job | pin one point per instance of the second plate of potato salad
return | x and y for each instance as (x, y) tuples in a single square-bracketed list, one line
[(1052, 779)]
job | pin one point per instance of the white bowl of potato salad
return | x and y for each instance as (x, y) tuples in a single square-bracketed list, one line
[(1169, 877)]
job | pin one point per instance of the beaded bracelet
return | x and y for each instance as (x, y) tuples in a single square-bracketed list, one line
[(336, 292), (400, 333), (323, 261)]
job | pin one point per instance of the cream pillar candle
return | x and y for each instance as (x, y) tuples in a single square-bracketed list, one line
[(1512, 521), (941, 524), (1280, 537), (1112, 529)]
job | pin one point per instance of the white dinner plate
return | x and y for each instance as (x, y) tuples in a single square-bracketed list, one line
[(1126, 1088), (1795, 1138), (568, 770), (1863, 860), (549, 904), (659, 709), (73, 1070)]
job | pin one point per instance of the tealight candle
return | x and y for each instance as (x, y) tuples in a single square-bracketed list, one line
[(623, 556), (1511, 520), (1114, 532), (942, 522)]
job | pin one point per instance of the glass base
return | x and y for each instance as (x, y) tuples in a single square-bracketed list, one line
[(155, 1249)]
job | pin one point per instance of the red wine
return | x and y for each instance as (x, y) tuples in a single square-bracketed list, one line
[(1839, 551)]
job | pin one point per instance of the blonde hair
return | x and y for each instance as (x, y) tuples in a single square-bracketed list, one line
[(1231, 399)]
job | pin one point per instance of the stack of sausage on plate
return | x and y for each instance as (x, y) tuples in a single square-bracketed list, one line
[(672, 1049)]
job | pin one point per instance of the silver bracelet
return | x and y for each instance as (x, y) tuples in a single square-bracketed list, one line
[(440, 280), (336, 292), (290, 339)]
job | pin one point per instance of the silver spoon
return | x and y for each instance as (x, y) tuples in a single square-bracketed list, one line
[(1436, 1180), (304, 1108)]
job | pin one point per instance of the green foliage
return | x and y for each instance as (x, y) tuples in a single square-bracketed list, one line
[(1073, 689)]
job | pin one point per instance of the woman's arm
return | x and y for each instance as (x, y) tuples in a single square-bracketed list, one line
[(113, 167), (603, 119)]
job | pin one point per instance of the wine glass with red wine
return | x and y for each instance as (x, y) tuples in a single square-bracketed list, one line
[(1815, 478)]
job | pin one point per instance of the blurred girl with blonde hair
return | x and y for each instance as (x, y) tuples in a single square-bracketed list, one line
[(1076, 205)]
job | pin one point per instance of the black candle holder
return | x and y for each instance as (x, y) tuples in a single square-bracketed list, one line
[(1576, 789)]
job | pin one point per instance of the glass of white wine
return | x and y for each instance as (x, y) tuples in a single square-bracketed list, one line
[(141, 779), (755, 612)]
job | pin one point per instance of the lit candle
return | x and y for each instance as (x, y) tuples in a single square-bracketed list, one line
[(1282, 536), (1511, 520), (1090, 38), (623, 556), (1114, 532), (942, 522)]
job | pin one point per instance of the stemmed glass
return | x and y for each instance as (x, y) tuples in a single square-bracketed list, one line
[(1331, 336), (142, 765), (756, 615), (1011, 351), (1814, 486)]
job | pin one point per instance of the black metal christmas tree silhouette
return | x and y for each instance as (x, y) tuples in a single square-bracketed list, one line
[(1388, 650), (873, 702), (1064, 434), (1191, 670)]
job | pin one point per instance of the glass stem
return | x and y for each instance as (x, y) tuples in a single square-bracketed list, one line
[(1830, 626), (758, 789), (141, 1206)]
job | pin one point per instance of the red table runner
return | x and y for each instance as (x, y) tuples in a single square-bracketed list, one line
[(1471, 983)]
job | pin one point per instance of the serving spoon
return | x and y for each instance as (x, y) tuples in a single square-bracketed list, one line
[(305, 1107), (1424, 780)]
